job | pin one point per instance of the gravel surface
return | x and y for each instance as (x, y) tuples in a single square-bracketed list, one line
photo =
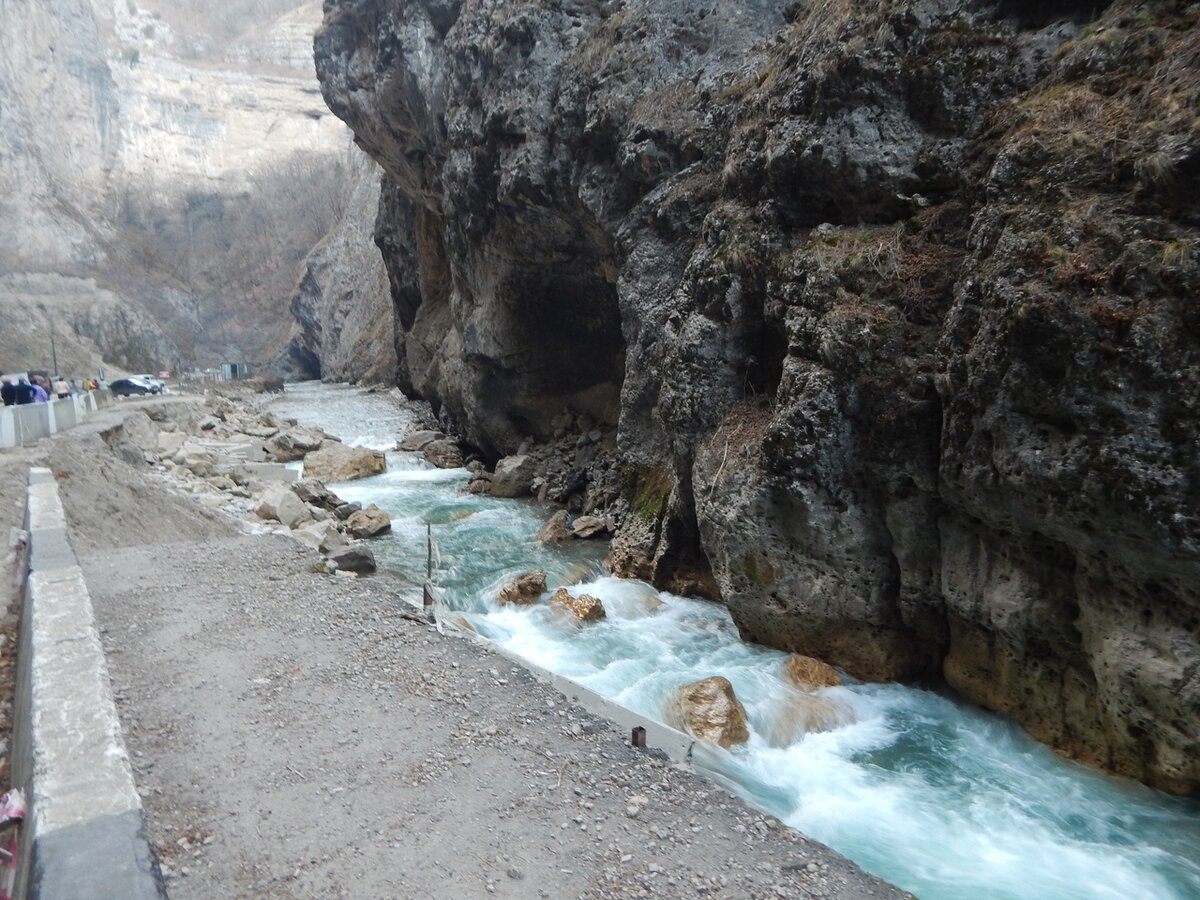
[(293, 734)]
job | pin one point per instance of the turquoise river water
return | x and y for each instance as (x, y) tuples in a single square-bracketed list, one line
[(943, 799)]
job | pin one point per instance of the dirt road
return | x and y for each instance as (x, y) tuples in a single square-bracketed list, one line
[(294, 735)]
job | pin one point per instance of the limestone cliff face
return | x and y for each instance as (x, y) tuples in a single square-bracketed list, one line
[(342, 306), (113, 120), (892, 302)]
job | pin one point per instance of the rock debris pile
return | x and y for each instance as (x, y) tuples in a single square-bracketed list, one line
[(234, 458)]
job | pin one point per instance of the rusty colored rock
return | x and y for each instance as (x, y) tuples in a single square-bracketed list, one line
[(524, 588), (585, 607), (711, 711), (808, 673)]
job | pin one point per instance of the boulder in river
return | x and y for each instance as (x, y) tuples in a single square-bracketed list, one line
[(797, 713), (524, 588), (589, 526), (513, 476), (339, 462), (346, 510), (445, 454), (709, 710), (419, 440), (808, 673), (555, 529), (585, 607), (368, 522), (355, 559)]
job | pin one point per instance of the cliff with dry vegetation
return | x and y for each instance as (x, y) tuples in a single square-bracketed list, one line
[(892, 305)]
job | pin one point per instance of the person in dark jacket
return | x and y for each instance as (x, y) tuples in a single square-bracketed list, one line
[(24, 392), (8, 391)]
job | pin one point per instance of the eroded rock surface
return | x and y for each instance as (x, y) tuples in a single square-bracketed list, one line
[(339, 462), (891, 307)]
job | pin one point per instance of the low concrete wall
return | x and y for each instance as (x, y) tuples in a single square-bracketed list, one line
[(23, 425), (85, 834)]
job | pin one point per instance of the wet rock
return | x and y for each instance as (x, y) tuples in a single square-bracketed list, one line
[(339, 462), (524, 589), (368, 522), (513, 476), (345, 510), (584, 607), (419, 440), (709, 710), (355, 559), (445, 454), (808, 673), (797, 713), (555, 529), (589, 526), (481, 483)]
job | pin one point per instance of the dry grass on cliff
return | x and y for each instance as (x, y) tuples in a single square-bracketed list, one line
[(1099, 121), (744, 427)]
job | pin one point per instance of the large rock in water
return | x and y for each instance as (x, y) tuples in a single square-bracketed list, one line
[(340, 462), (445, 454), (584, 607), (798, 713), (807, 673), (513, 476), (905, 376), (368, 522), (709, 710), (524, 589), (555, 530), (419, 440)]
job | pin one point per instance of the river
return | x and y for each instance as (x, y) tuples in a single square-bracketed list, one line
[(941, 798)]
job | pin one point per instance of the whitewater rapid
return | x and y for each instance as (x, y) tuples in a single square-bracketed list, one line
[(943, 799)]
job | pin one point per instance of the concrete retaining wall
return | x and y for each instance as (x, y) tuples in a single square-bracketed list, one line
[(85, 835), (21, 426)]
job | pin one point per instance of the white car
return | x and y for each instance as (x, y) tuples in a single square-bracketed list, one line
[(157, 384)]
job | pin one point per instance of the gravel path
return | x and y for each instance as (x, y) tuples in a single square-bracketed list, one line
[(294, 735)]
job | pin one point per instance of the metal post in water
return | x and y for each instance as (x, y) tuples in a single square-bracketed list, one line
[(429, 551)]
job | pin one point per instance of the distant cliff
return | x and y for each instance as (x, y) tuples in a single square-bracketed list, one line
[(893, 304), (344, 321), (158, 167)]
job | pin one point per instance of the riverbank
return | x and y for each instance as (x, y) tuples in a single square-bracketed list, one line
[(294, 734)]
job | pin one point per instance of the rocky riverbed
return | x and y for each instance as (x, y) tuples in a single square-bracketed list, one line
[(296, 733)]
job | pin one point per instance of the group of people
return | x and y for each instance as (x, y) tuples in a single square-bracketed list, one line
[(39, 389)]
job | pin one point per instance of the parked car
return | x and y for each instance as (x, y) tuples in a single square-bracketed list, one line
[(131, 387), (154, 381)]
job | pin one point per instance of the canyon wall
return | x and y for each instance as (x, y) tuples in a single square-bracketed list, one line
[(893, 305), (153, 164)]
